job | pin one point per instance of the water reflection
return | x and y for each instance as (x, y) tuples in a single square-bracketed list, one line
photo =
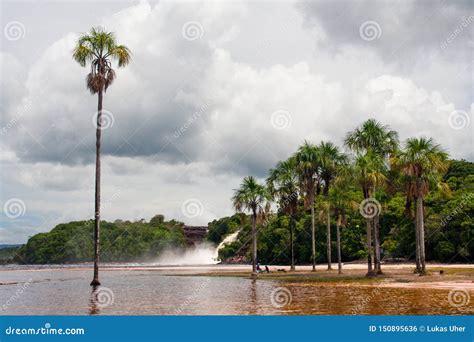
[(67, 292), (93, 302)]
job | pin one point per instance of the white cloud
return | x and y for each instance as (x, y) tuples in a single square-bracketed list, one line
[(192, 117)]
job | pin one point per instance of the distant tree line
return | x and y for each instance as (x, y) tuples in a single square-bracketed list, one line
[(120, 241)]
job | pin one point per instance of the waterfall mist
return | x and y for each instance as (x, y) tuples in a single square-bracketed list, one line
[(204, 253)]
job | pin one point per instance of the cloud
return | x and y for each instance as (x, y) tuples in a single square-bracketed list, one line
[(192, 116)]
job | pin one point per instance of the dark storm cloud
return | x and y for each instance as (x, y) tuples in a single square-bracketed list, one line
[(406, 29)]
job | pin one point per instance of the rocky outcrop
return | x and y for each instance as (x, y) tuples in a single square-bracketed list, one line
[(194, 234)]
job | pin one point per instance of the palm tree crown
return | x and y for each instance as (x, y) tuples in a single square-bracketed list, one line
[(250, 196), (421, 163), (283, 185), (372, 135), (307, 160), (329, 159), (99, 48)]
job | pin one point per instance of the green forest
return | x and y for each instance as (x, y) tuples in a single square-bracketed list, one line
[(449, 220), (383, 200), (120, 241), (379, 199)]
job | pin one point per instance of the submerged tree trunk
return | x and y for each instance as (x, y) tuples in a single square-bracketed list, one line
[(313, 237), (254, 242), (338, 241), (292, 243), (421, 232), (95, 280), (329, 239)]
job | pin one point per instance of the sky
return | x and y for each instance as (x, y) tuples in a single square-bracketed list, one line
[(215, 91)]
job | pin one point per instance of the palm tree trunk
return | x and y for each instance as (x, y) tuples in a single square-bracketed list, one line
[(417, 237), (378, 265), (338, 238), (369, 246), (292, 220), (313, 238), (254, 242), (328, 234), (98, 133), (421, 232)]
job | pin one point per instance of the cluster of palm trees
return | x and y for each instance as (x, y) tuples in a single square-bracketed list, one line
[(318, 176)]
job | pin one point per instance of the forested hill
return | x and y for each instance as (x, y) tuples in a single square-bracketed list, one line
[(120, 241)]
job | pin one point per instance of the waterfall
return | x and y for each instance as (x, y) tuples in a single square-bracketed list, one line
[(228, 239), (202, 254)]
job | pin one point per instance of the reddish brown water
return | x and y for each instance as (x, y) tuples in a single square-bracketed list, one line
[(128, 291)]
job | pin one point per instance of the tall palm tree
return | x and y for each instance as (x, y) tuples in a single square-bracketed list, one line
[(329, 159), (422, 163), (374, 141), (368, 172), (283, 186), (307, 164), (253, 197), (341, 201), (99, 48)]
